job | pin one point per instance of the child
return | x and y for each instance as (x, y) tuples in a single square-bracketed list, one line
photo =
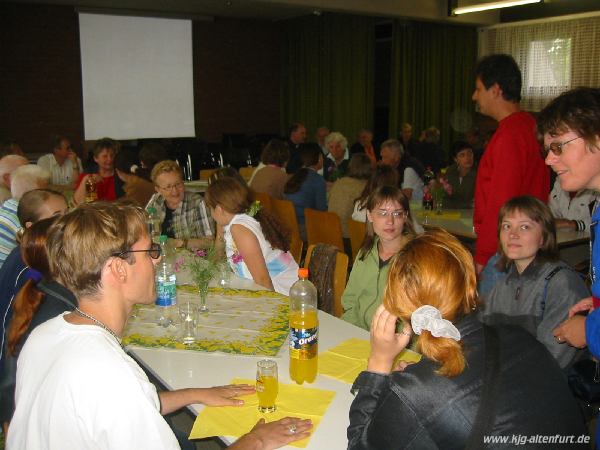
[(538, 289), (256, 244)]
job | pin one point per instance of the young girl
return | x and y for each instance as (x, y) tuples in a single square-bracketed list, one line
[(389, 228), (538, 289), (256, 244)]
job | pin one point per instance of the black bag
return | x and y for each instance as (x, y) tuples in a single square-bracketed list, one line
[(584, 380)]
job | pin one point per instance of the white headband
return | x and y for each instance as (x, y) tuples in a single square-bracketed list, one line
[(429, 318)]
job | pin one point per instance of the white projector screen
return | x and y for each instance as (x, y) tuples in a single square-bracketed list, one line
[(137, 77)]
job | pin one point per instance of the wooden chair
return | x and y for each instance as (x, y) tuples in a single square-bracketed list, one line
[(340, 275), (206, 173), (323, 227), (357, 231), (246, 172), (265, 200), (284, 210)]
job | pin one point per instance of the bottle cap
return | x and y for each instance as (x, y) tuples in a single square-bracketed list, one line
[(151, 210), (163, 239), (303, 272)]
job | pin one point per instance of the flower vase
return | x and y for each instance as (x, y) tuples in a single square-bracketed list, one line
[(203, 292)]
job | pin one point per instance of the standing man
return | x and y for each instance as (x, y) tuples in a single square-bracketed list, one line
[(296, 137), (63, 164), (76, 386), (512, 164)]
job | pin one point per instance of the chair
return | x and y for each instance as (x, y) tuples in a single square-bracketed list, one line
[(356, 230), (265, 200), (340, 275), (246, 172), (206, 173), (323, 227), (284, 210)]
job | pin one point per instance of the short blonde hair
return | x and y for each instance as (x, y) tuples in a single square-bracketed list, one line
[(165, 166), (434, 269), (80, 242), (336, 136)]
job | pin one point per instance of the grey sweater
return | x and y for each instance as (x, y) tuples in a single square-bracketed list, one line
[(519, 300)]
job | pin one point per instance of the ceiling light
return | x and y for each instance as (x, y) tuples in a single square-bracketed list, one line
[(492, 5)]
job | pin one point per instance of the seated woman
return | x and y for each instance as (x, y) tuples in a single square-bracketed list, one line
[(472, 381), (335, 165), (137, 188), (461, 176), (538, 289), (183, 215), (389, 228), (256, 244), (271, 178), (104, 155), (306, 188), (345, 190)]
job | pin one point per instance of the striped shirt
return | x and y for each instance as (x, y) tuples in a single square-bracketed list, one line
[(9, 224), (61, 175), (190, 218)]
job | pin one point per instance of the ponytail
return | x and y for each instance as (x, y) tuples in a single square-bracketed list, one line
[(27, 302), (447, 352)]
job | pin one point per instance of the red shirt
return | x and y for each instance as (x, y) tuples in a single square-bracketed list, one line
[(511, 166), (106, 187)]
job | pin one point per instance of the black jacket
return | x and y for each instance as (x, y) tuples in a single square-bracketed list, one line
[(418, 409)]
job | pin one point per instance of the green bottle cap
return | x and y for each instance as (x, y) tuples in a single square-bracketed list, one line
[(151, 210), (163, 238)]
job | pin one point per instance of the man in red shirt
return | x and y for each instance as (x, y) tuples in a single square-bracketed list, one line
[(511, 164)]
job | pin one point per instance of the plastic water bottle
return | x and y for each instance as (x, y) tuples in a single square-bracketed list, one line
[(166, 286), (153, 224), (304, 330)]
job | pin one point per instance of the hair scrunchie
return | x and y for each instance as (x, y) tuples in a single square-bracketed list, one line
[(429, 318), (34, 275), (254, 208)]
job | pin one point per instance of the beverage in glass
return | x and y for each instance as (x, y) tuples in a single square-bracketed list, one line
[(267, 385)]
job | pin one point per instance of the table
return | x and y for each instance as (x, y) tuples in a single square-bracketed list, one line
[(177, 369)]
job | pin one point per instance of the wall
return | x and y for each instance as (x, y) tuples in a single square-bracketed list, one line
[(236, 80)]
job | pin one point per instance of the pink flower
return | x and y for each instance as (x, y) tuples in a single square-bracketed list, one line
[(201, 253), (236, 258), (178, 264)]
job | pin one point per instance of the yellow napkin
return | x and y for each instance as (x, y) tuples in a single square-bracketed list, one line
[(345, 361), (443, 215), (293, 400)]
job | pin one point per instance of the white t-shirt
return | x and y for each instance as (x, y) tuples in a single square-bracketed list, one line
[(282, 267), (77, 389), (413, 181), (61, 175)]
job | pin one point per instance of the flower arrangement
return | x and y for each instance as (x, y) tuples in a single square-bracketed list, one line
[(202, 266), (436, 190)]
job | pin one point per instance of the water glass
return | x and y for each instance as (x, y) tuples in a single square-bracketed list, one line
[(223, 275), (267, 385), (188, 315)]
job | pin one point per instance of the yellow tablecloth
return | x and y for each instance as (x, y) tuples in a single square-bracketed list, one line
[(293, 400)]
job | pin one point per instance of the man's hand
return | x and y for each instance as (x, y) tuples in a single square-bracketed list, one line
[(268, 436), (572, 331), (385, 342)]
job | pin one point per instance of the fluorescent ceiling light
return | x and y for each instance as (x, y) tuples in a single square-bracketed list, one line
[(492, 5)]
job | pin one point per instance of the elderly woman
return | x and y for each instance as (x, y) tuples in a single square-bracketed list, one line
[(183, 215), (461, 176), (271, 178), (335, 165), (473, 381)]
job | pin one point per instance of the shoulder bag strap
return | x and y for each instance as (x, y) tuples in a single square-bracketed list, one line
[(486, 413)]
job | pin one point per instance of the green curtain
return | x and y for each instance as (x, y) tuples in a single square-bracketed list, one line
[(328, 73), (432, 78)]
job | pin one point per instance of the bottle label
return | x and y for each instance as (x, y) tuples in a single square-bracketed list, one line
[(303, 343), (166, 293)]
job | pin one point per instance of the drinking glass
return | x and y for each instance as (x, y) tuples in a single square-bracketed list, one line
[(267, 385), (188, 315)]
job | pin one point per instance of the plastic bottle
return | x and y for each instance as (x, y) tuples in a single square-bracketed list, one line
[(304, 330), (91, 190), (166, 286), (153, 224)]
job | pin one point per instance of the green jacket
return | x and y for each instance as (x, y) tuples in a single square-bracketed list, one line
[(364, 291)]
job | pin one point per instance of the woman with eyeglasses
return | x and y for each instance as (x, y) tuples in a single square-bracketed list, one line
[(389, 228), (183, 215)]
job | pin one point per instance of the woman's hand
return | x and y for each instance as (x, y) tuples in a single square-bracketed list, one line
[(224, 395), (385, 342), (571, 331), (268, 436), (581, 306)]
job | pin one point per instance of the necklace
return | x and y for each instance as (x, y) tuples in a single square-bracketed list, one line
[(97, 322)]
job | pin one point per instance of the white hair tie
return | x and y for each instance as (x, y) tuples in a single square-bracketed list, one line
[(429, 318)]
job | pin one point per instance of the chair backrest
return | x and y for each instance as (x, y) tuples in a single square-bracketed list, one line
[(246, 172), (323, 227), (284, 211), (265, 200), (357, 231), (206, 173), (340, 276)]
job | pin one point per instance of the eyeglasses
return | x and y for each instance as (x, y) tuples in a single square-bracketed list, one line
[(556, 147), (154, 252), (395, 214), (170, 187)]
